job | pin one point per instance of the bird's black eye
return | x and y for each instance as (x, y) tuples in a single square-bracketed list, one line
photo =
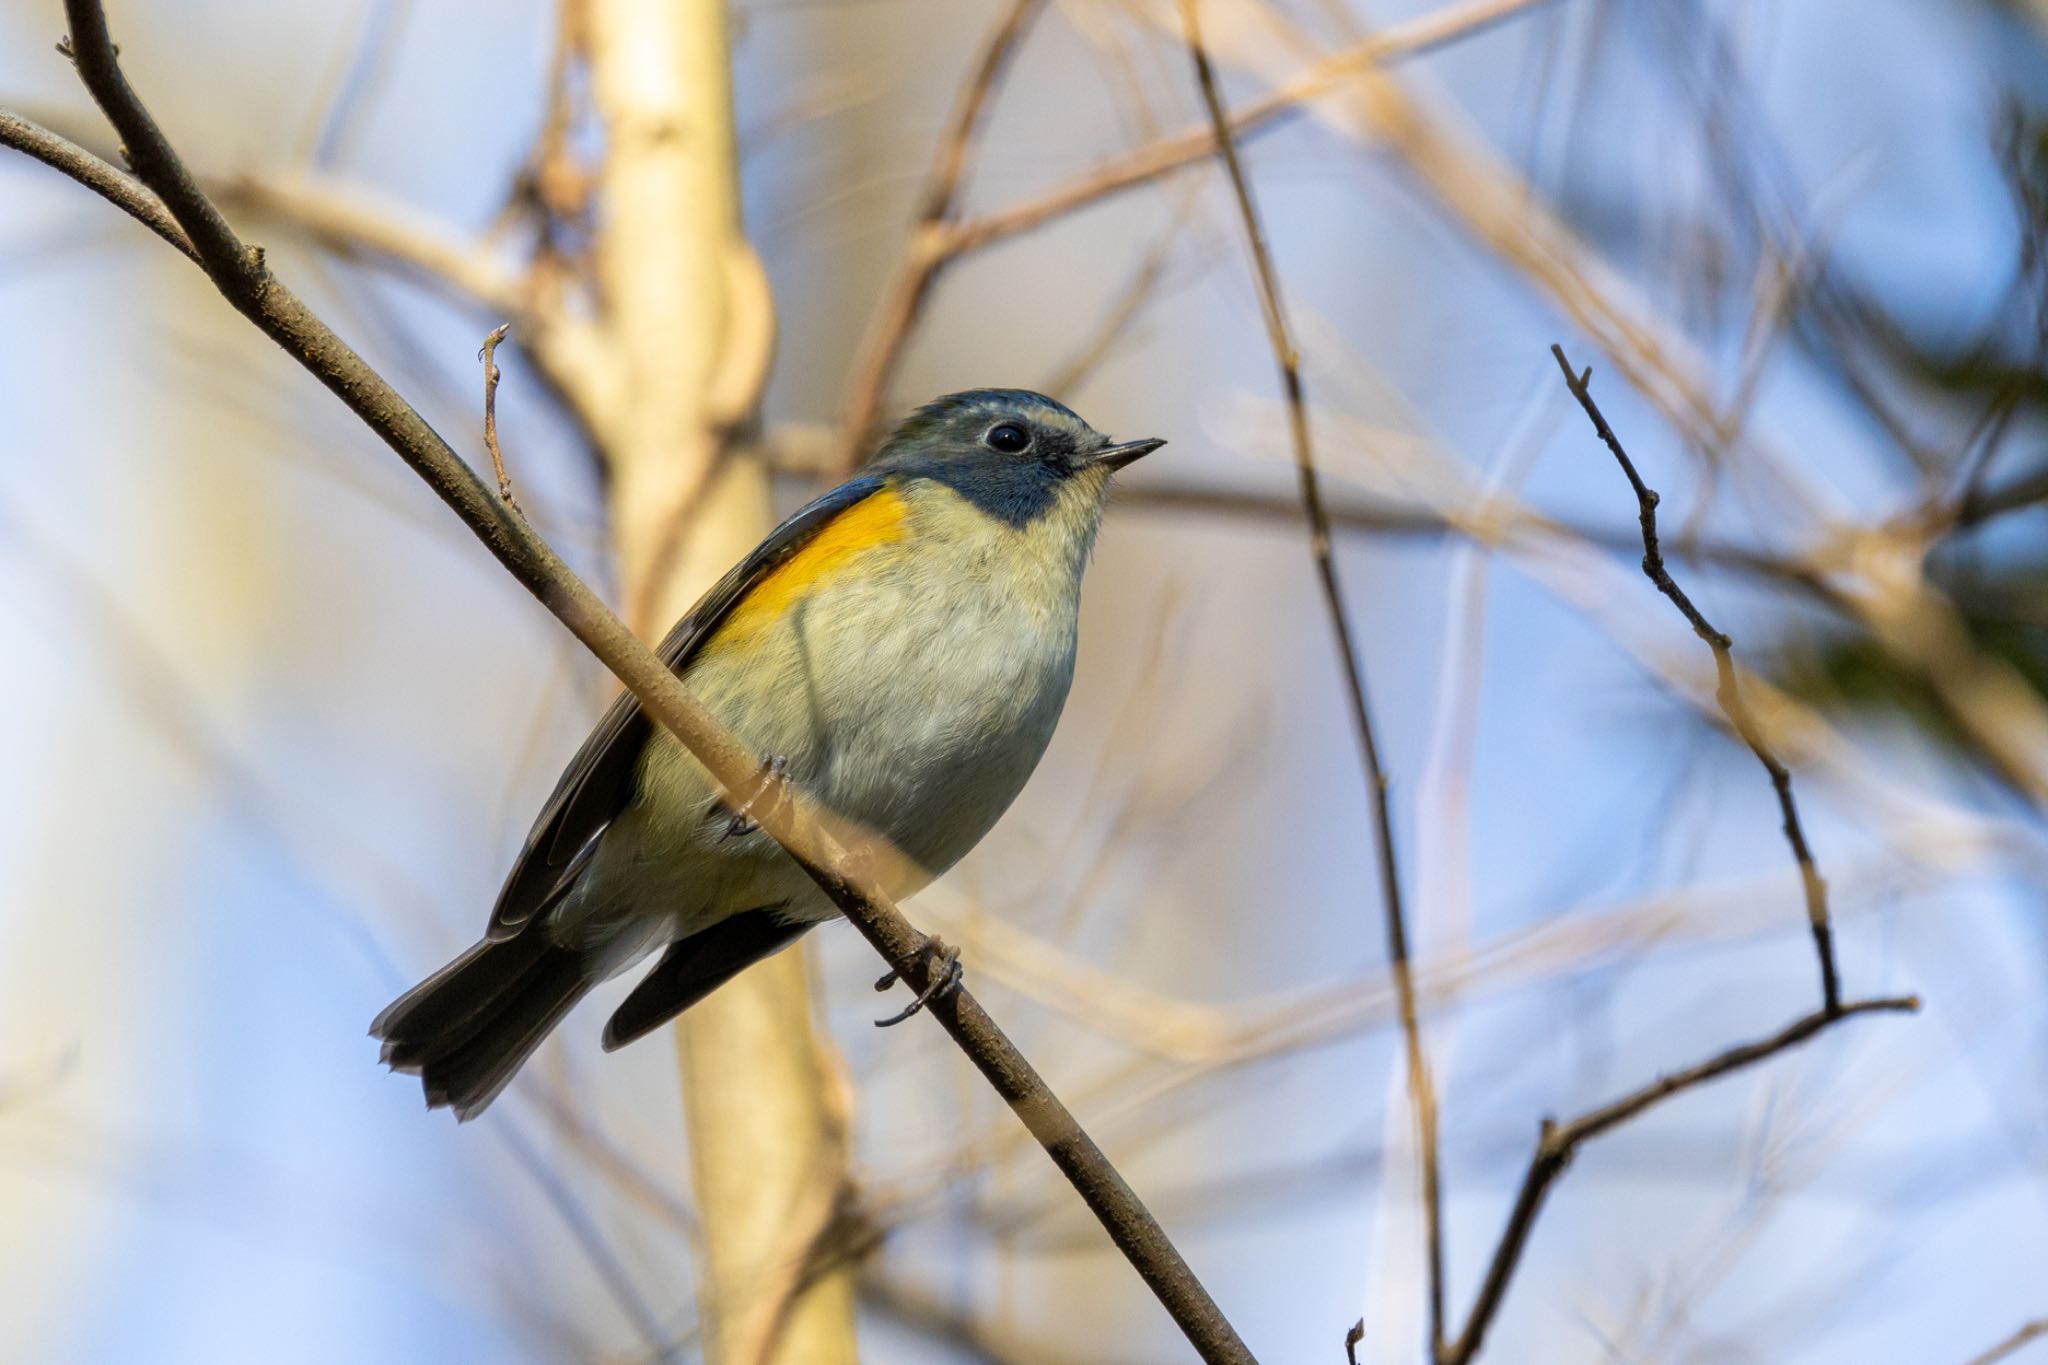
[(1009, 438)]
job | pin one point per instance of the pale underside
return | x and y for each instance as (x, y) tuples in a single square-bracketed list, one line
[(913, 694)]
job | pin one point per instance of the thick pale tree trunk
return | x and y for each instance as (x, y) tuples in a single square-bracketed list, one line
[(686, 329)]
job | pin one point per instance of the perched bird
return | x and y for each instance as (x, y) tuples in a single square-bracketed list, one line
[(900, 650)]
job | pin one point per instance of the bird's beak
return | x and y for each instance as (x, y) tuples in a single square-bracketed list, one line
[(1117, 456)]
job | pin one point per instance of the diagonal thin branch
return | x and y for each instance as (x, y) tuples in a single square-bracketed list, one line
[(931, 242), (2005, 1349), (148, 152), (488, 354), (110, 183), (1422, 1092), (941, 237), (845, 870), (355, 221), (1727, 691), (1160, 158), (1559, 1143), (565, 347)]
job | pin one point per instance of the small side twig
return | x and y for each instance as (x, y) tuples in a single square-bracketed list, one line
[(932, 243), (943, 234), (488, 354), (1351, 1340), (2007, 1348), (1559, 1143), (1727, 690), (110, 182), (1422, 1092), (1143, 165)]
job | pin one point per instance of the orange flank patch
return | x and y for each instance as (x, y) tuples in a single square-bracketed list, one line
[(881, 518)]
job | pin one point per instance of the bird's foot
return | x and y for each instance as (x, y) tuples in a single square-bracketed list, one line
[(767, 788), (943, 975)]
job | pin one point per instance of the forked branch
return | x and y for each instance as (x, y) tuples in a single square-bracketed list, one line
[(1727, 689), (1559, 1143)]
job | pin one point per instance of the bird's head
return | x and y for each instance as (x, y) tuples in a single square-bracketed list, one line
[(1016, 455)]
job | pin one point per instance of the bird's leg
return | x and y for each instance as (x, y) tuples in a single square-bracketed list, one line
[(943, 974), (769, 783)]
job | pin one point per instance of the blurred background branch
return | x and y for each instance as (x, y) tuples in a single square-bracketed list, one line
[(1273, 308)]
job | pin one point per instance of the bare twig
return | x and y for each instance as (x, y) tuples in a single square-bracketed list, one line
[(116, 186), (2028, 490), (604, 1259), (941, 236), (823, 1234), (1559, 1143), (931, 243), (1727, 691), (956, 144), (2031, 1332), (1422, 1092), (1502, 517), (1172, 153), (243, 278), (489, 356), (564, 346), (355, 221)]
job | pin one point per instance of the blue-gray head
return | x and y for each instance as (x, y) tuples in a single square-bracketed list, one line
[(1015, 454)]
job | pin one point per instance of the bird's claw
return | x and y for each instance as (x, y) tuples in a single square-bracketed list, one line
[(769, 783), (942, 977)]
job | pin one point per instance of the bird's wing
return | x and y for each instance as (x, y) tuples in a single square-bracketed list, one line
[(600, 780)]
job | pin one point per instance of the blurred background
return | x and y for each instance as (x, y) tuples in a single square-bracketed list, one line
[(274, 724)]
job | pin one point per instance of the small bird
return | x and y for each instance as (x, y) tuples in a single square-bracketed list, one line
[(900, 650)]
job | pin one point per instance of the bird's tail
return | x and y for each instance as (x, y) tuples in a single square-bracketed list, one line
[(468, 1028)]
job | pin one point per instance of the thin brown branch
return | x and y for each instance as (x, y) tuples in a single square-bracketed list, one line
[(1287, 356), (931, 244), (243, 278), (354, 220), (150, 156), (110, 183), (604, 1260), (1146, 164), (2028, 490), (1404, 518), (968, 1335), (1122, 313), (489, 356), (970, 105), (2013, 1344), (350, 220), (825, 1234), (1559, 1143), (1727, 689)]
